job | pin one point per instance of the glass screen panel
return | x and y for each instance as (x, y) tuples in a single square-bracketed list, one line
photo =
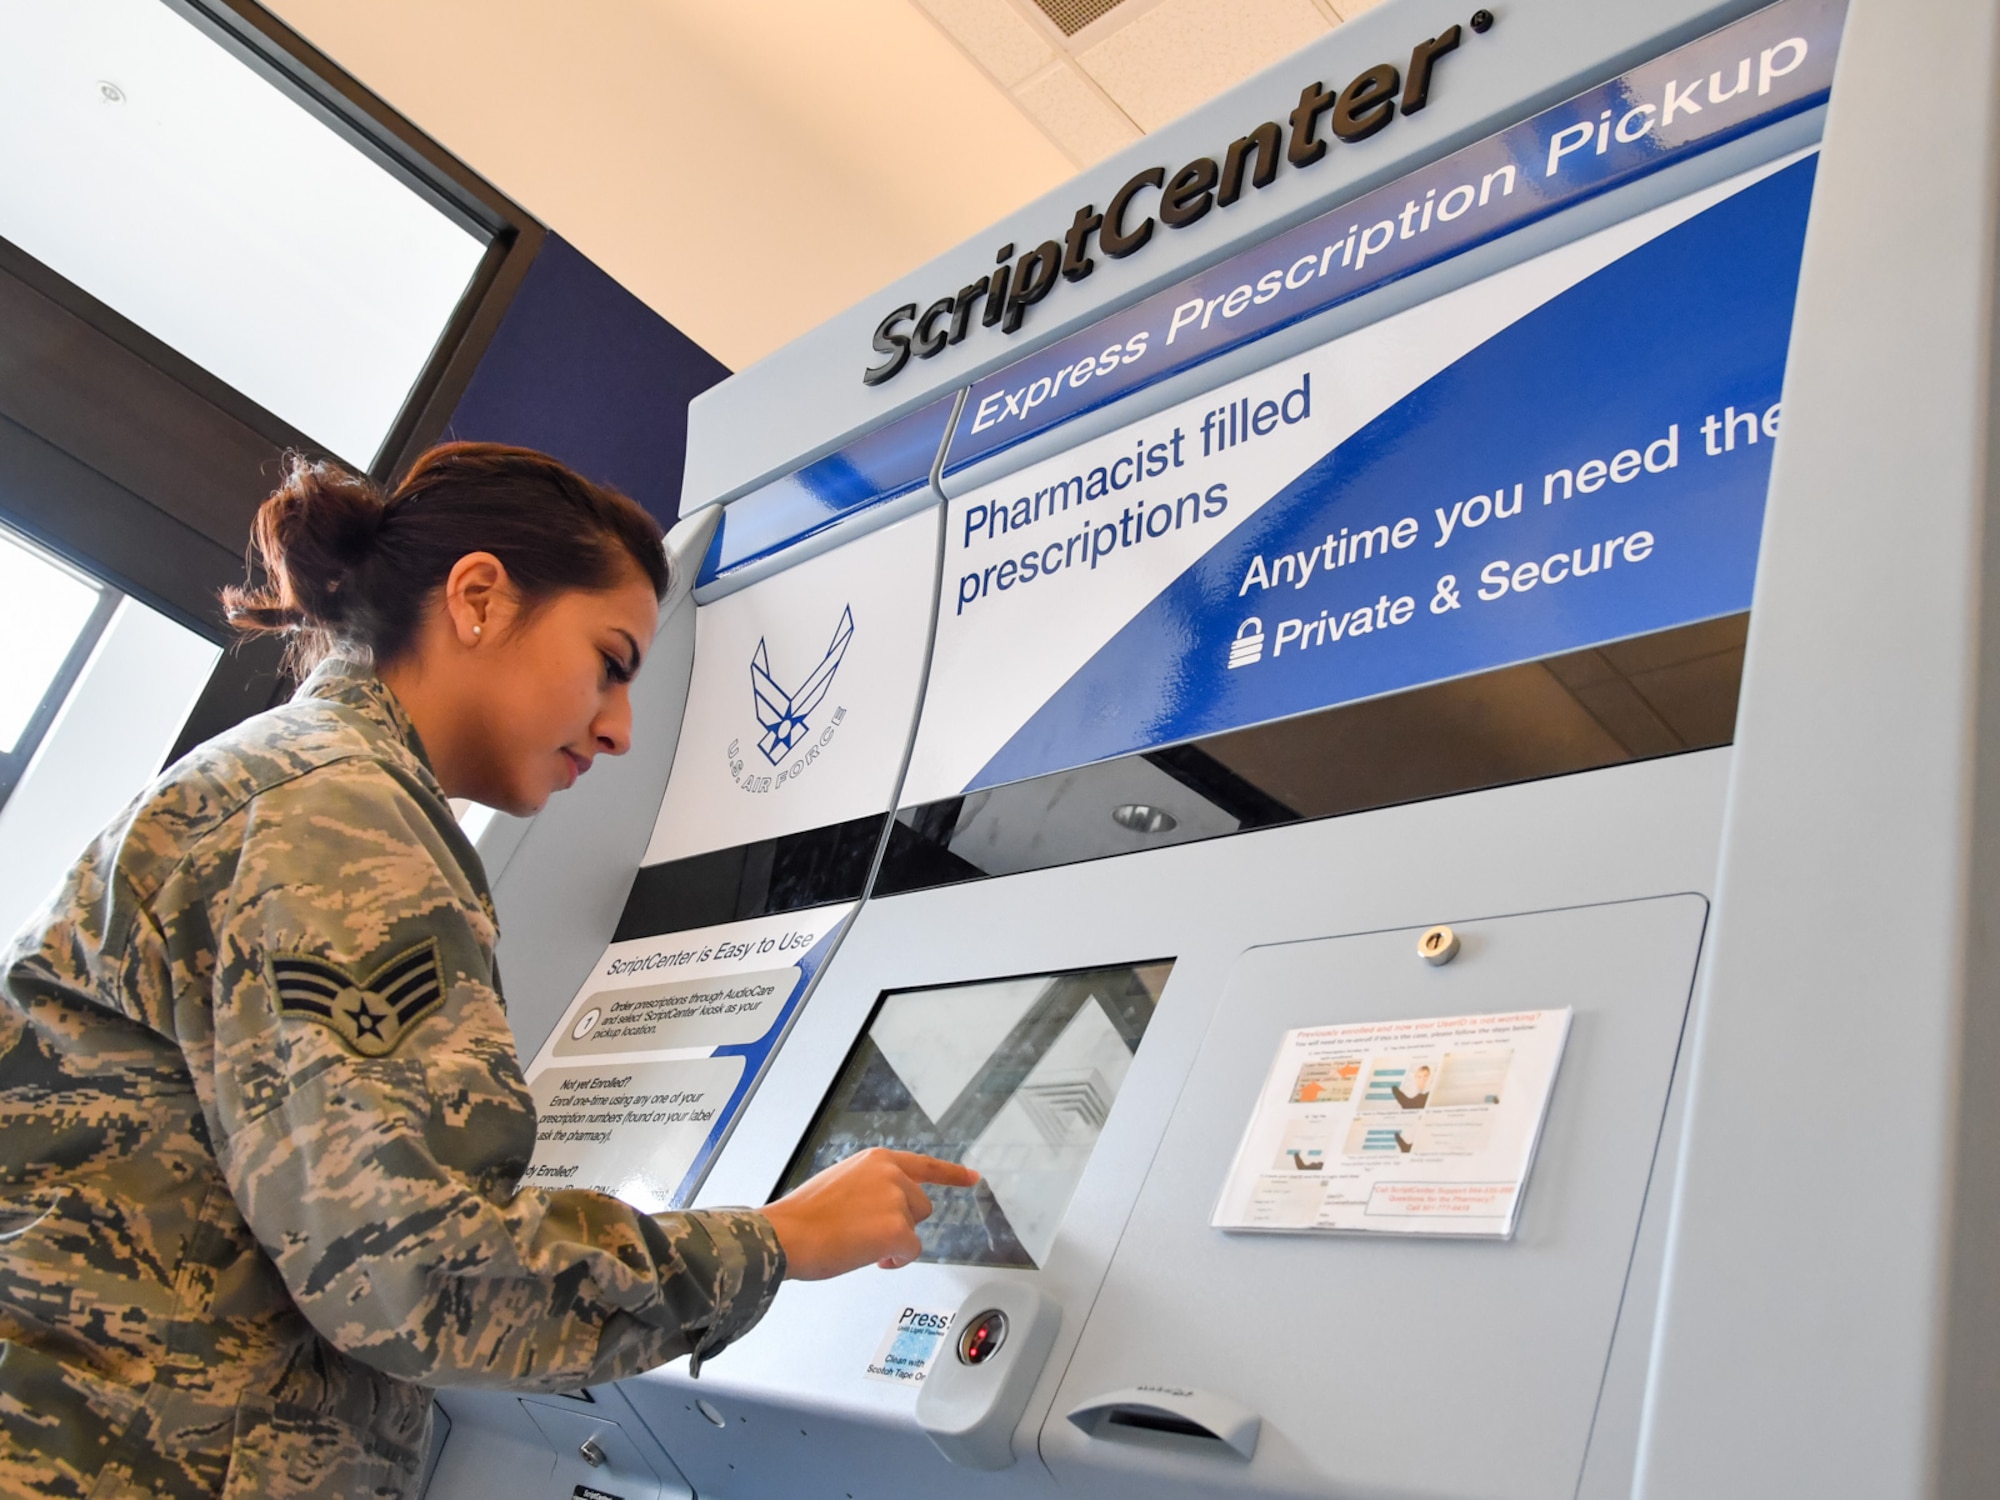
[(1013, 1077), (149, 165)]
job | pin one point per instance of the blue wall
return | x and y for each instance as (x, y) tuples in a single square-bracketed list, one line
[(582, 369)]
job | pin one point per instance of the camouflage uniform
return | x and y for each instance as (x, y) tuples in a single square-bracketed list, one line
[(261, 1126)]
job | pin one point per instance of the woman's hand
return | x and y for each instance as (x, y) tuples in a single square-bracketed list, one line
[(863, 1209)]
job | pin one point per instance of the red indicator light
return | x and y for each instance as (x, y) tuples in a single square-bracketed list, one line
[(982, 1337)]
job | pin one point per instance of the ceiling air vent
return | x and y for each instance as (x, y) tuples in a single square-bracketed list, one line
[(1073, 15)]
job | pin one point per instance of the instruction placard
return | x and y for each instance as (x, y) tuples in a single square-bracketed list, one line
[(636, 1086), (1398, 1127)]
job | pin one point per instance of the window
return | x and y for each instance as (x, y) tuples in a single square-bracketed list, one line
[(160, 172), (50, 617)]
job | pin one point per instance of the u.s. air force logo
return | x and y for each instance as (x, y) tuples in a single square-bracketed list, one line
[(785, 717), (371, 1016), (784, 714)]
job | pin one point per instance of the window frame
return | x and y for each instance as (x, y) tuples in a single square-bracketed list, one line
[(264, 43), (15, 762), (131, 462)]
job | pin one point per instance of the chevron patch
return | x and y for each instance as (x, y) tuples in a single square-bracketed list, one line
[(371, 1016)]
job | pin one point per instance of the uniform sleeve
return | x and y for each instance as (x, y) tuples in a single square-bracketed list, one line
[(374, 1123)]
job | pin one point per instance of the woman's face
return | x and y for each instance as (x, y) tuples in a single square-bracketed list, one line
[(544, 693)]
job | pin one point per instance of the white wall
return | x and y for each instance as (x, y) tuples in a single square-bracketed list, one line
[(118, 724)]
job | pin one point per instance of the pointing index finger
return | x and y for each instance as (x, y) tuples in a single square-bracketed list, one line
[(931, 1169)]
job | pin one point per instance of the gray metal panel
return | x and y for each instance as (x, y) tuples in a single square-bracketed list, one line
[(491, 1450), (1831, 1325), (501, 1444), (1439, 1367), (1609, 1466), (807, 398), (565, 879)]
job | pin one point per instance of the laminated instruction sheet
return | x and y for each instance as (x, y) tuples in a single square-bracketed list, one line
[(641, 1079), (1398, 1127)]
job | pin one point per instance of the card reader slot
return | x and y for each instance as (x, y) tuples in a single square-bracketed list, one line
[(1174, 1413), (1157, 1421)]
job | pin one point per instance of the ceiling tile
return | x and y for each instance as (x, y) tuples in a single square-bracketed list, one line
[(1182, 53), (1075, 114), (995, 33)]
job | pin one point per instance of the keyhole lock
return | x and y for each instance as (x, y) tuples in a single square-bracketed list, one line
[(592, 1454), (1438, 946)]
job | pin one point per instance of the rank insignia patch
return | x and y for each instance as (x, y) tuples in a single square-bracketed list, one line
[(371, 1016)]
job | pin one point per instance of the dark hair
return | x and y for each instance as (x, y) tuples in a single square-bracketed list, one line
[(351, 570)]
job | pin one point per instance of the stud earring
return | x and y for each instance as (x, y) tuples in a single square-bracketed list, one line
[(477, 630)]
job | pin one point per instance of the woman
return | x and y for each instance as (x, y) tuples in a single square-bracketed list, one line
[(261, 1118)]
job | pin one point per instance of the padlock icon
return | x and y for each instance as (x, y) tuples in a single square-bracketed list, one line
[(1248, 647)]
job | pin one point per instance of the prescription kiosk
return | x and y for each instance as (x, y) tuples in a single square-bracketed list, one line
[(1376, 710)]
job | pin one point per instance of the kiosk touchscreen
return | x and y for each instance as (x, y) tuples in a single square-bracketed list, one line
[(1015, 1078)]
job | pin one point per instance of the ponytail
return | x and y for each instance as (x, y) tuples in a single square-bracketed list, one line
[(350, 570)]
